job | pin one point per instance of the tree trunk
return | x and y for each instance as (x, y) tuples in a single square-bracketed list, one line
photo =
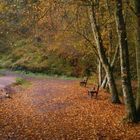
[(137, 7), (104, 83), (100, 74), (102, 55), (124, 60)]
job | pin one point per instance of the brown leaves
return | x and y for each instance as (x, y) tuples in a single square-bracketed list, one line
[(60, 109)]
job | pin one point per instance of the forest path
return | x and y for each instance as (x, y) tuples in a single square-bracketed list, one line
[(7, 80), (56, 109)]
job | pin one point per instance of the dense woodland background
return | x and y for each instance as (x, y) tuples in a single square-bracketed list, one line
[(74, 38), (55, 36)]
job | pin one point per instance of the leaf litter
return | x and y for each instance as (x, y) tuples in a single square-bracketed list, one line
[(59, 109)]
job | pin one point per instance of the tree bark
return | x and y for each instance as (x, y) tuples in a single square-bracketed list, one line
[(124, 61), (102, 55), (100, 74), (137, 8), (104, 83)]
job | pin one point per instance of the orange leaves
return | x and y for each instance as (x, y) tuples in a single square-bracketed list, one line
[(61, 109)]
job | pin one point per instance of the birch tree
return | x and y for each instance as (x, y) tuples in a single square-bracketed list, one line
[(101, 52)]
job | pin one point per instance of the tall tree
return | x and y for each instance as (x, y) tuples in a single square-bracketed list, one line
[(137, 8), (102, 55), (124, 60)]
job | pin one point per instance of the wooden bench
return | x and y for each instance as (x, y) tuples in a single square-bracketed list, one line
[(84, 81), (93, 91)]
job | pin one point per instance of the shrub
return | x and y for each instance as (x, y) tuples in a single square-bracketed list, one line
[(20, 81)]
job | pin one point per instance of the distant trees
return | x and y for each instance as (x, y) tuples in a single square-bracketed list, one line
[(48, 29)]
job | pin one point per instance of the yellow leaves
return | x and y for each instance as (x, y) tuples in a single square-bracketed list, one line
[(2, 6)]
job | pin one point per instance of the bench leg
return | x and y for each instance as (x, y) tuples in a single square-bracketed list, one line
[(91, 95), (96, 94)]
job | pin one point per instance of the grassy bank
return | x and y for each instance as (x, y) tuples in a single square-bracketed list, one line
[(36, 74)]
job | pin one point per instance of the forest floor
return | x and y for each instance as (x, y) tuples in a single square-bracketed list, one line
[(56, 109)]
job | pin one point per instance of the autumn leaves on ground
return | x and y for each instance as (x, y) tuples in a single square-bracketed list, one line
[(56, 109)]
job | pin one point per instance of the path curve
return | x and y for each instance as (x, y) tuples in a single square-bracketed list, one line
[(7, 80)]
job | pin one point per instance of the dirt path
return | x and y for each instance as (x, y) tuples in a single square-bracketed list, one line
[(7, 80), (54, 109)]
